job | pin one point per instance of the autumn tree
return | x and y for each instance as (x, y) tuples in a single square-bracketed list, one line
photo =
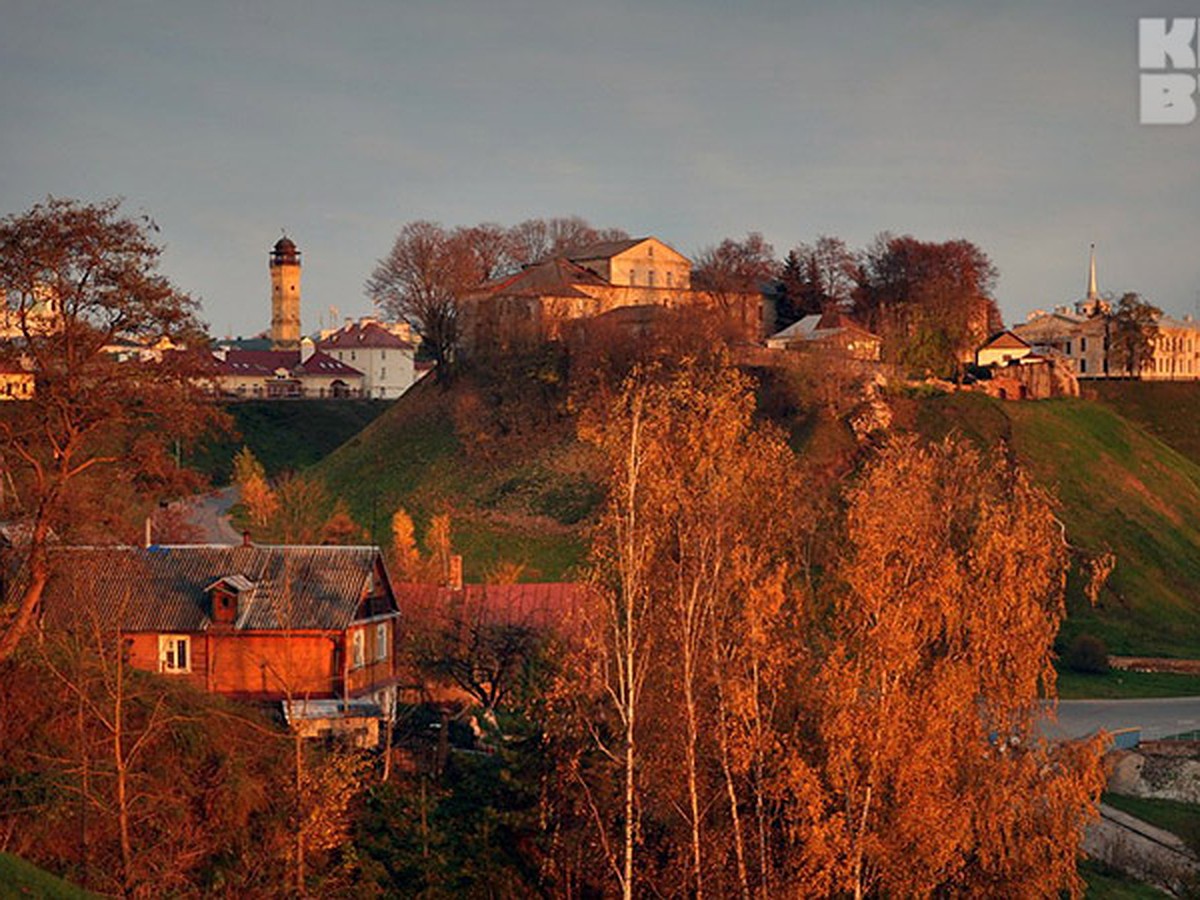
[(784, 693), (815, 278), (255, 491), (1132, 330), (926, 770), (420, 281), (930, 302), (405, 557), (734, 267), (76, 277), (536, 240), (687, 550)]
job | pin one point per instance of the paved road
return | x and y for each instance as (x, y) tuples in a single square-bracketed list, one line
[(209, 514), (1156, 718)]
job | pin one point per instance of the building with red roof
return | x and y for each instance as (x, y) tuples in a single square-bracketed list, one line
[(384, 358)]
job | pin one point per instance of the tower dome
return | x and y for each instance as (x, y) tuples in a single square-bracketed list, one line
[(284, 253)]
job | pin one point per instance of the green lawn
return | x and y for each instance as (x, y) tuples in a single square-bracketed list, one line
[(1125, 685), (1121, 489), (1104, 883), (20, 880), (1181, 819)]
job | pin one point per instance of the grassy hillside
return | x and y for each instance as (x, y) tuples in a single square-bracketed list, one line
[(20, 879), (1169, 411), (287, 434), (527, 500), (1120, 489), (523, 504)]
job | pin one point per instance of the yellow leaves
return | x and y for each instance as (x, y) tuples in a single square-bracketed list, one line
[(328, 787), (406, 558), (950, 596), (260, 501)]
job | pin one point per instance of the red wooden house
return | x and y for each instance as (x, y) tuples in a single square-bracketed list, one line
[(250, 622)]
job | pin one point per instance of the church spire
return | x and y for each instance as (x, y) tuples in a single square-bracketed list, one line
[(1092, 293)]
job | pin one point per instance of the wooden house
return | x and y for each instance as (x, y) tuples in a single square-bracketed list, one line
[(268, 623)]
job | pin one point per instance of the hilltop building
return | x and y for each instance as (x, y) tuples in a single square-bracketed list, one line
[(284, 265), (305, 373), (1082, 336), (384, 358), (831, 333), (535, 304)]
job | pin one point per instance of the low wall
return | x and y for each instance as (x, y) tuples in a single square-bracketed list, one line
[(1155, 664)]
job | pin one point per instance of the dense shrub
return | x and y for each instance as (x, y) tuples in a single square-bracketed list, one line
[(1087, 653)]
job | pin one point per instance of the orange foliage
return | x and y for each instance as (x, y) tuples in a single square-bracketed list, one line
[(765, 710)]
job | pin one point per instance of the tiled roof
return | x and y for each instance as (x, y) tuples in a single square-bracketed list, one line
[(556, 277), (165, 588), (360, 334), (267, 362), (604, 249)]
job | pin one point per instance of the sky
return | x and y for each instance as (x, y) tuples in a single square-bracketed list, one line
[(1012, 125)]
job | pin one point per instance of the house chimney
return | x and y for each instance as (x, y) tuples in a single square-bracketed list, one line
[(147, 538), (455, 581), (246, 539)]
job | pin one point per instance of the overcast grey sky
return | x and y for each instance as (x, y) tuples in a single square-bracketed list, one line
[(1013, 125)]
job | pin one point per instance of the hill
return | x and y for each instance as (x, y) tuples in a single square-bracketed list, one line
[(1121, 489), (19, 879), (286, 434), (1168, 410), (523, 502), (526, 499)]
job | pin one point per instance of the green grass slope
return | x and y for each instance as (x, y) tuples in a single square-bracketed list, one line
[(287, 434), (1168, 410), (1120, 489), (527, 501), (526, 507), (21, 879)]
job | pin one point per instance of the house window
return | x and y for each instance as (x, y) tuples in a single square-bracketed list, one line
[(356, 643), (1082, 366), (1083, 345), (1068, 348), (650, 278), (174, 653), (381, 641), (383, 373), (383, 354)]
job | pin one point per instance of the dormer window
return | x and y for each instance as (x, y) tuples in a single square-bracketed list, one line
[(227, 597)]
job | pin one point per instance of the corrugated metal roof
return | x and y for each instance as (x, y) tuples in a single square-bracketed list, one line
[(551, 605), (164, 588)]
